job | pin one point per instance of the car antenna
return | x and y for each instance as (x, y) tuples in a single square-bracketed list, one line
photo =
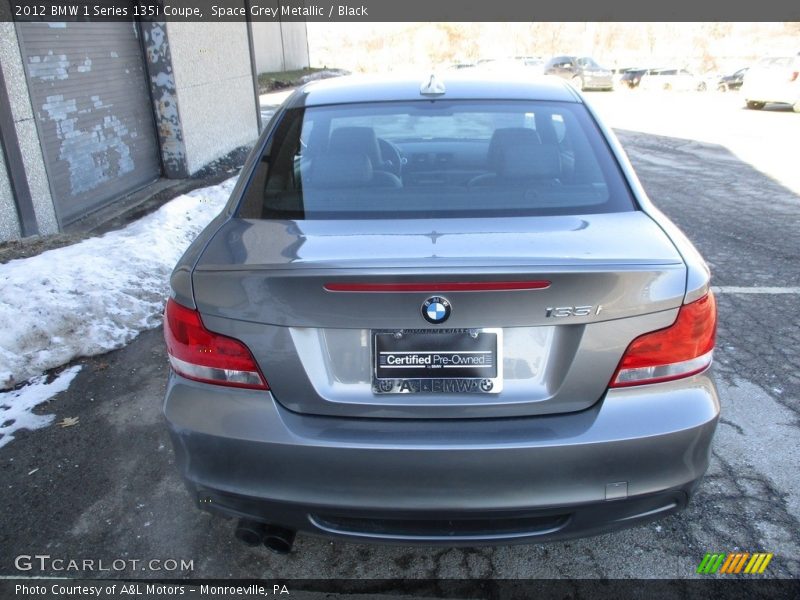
[(432, 87)]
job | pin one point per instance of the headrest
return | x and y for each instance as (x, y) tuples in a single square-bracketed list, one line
[(508, 137), (341, 170), (528, 160), (352, 140)]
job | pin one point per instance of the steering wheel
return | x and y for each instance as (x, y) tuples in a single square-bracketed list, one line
[(392, 158)]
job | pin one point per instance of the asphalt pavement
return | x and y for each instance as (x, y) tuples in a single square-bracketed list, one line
[(107, 489)]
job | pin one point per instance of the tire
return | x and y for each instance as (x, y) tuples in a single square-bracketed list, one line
[(702, 87), (753, 105), (722, 88)]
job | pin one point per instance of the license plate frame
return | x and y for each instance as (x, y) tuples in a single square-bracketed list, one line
[(437, 361)]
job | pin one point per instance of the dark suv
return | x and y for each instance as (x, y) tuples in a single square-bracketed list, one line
[(731, 83), (632, 77), (583, 72)]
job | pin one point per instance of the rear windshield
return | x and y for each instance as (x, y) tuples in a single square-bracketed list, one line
[(588, 63), (426, 159)]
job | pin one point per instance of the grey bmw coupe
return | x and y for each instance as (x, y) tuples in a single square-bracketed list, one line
[(439, 312)]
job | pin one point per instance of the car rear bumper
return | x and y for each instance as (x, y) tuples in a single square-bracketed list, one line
[(779, 93), (636, 455)]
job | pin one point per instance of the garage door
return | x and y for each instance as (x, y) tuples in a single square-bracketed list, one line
[(91, 102)]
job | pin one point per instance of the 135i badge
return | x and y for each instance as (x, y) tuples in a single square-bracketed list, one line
[(572, 311)]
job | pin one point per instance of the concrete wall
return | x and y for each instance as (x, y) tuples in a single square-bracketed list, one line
[(214, 89), (295, 46), (9, 221), (27, 135), (280, 46), (268, 47)]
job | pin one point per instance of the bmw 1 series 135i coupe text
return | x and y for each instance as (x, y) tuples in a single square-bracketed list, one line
[(439, 312)]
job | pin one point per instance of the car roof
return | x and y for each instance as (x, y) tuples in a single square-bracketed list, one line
[(458, 86)]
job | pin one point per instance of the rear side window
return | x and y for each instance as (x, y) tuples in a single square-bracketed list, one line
[(588, 63), (432, 159)]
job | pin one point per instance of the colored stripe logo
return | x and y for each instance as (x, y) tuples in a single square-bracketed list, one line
[(734, 563)]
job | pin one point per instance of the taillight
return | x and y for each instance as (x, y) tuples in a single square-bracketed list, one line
[(794, 75), (199, 354), (684, 348)]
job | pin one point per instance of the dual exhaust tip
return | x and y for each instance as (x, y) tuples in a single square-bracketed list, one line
[(278, 539)]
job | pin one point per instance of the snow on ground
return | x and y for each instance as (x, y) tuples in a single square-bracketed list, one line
[(16, 405), (96, 295)]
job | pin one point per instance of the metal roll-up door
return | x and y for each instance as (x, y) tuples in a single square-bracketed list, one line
[(91, 101)]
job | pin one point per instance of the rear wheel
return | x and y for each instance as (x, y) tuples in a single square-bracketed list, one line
[(753, 105)]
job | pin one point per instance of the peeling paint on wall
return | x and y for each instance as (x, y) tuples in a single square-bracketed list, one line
[(49, 67), (94, 155), (92, 112), (97, 103), (165, 100)]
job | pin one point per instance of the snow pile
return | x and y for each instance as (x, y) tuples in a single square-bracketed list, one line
[(96, 295), (16, 405)]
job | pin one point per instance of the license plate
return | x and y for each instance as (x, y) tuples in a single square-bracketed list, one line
[(442, 361)]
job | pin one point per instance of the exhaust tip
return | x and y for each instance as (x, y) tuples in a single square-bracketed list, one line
[(279, 539), (250, 532)]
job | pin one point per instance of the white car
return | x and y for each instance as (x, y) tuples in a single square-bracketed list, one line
[(774, 79), (679, 80)]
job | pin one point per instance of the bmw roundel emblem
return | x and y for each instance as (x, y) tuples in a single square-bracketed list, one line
[(436, 309)]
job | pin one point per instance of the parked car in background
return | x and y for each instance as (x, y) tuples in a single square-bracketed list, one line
[(583, 72), (461, 65), (524, 65), (531, 61), (774, 79), (440, 312), (679, 80), (617, 73), (632, 77), (732, 82)]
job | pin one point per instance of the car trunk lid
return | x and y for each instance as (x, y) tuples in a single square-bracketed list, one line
[(309, 297)]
